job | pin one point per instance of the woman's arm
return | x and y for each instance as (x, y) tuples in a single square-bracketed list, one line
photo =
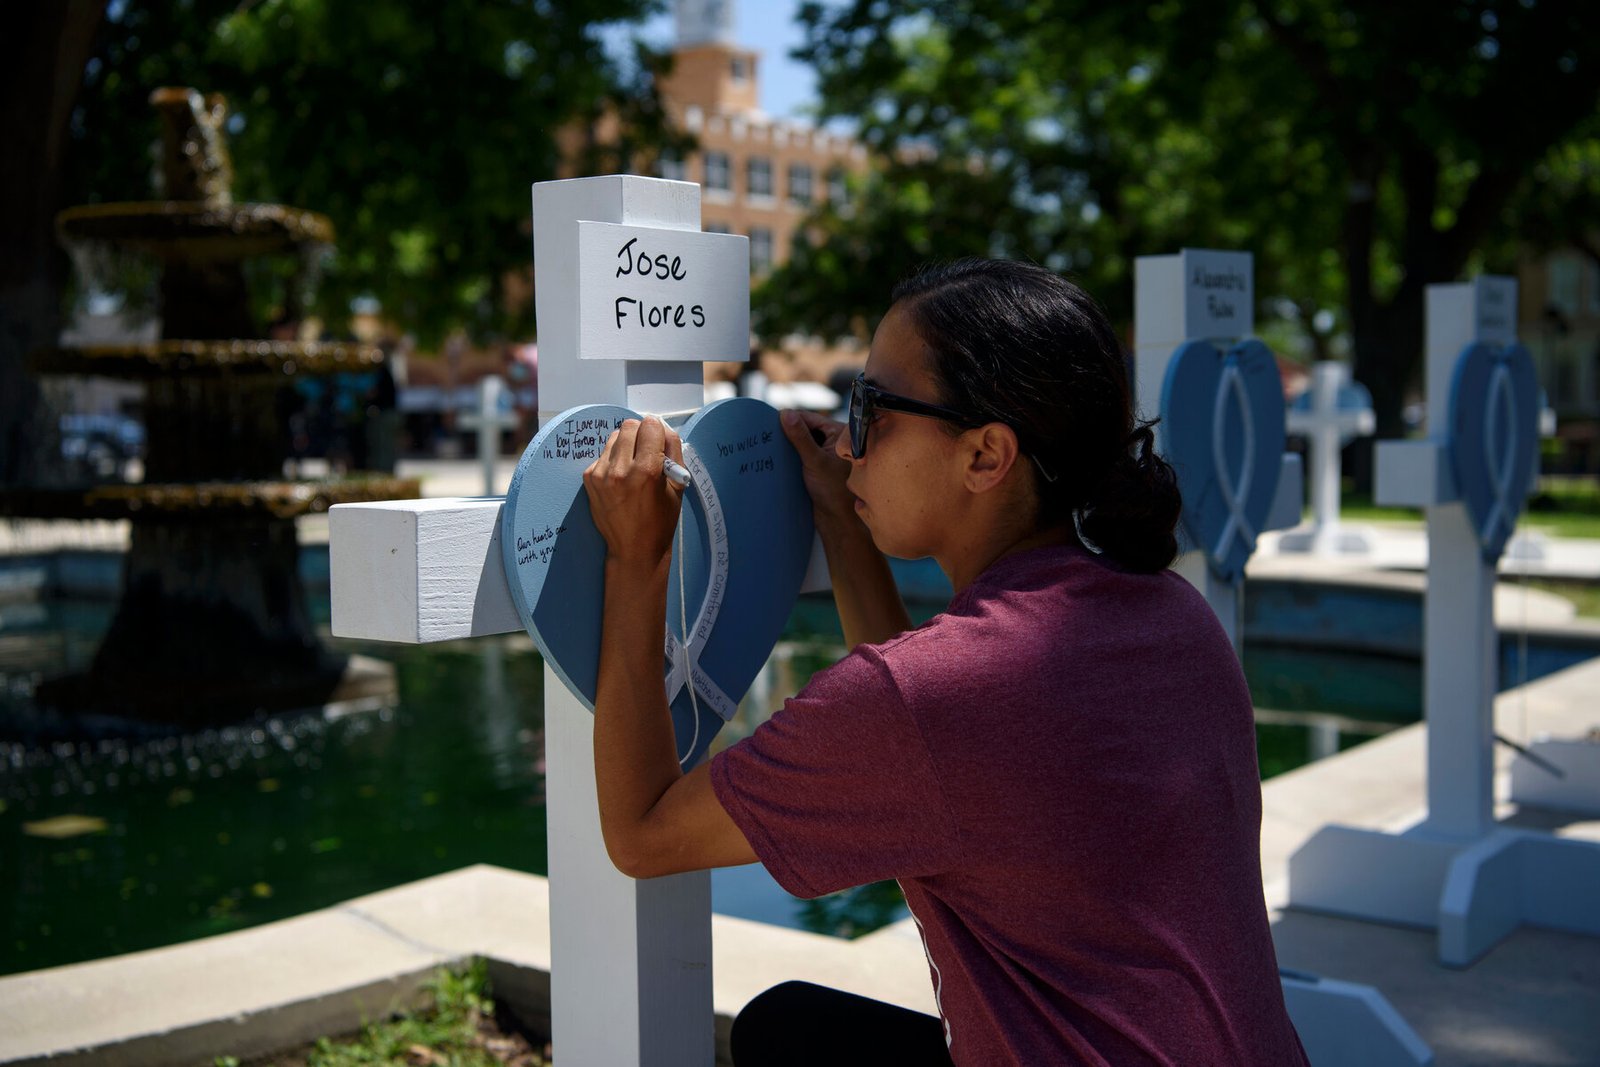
[(870, 608), (655, 819)]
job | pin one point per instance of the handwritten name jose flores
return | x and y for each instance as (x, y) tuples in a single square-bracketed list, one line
[(654, 316)]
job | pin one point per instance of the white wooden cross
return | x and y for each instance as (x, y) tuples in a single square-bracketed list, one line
[(1458, 871), (1200, 295), (630, 960), (1339, 412), (489, 421)]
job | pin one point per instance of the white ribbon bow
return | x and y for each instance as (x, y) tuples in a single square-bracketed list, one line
[(685, 655), (1232, 388), (1500, 401)]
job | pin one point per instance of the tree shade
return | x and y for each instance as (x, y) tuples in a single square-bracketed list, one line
[(1360, 149), (416, 126)]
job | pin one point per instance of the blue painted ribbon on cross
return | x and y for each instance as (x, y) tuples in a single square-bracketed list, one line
[(1222, 417), (1493, 438), (745, 540)]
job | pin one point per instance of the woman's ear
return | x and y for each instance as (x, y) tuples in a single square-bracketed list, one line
[(992, 450)]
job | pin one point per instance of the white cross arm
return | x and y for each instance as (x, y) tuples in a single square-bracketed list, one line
[(498, 420), (1414, 474), (1350, 422), (417, 571)]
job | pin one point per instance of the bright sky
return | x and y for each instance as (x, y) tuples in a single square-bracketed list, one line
[(787, 86)]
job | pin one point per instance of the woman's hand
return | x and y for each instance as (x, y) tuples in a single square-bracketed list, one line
[(825, 472), (870, 609), (635, 507)]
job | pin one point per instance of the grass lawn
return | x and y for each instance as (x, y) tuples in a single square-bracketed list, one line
[(1565, 507), (460, 1029), (1585, 596), (1561, 507)]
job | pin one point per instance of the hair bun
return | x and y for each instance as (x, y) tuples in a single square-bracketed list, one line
[(1133, 515)]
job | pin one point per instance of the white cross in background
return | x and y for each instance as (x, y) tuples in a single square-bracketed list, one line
[(489, 421), (1460, 871), (1203, 295), (1339, 411)]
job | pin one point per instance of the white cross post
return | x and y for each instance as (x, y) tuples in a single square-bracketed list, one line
[(1338, 413), (1458, 871), (1201, 295), (630, 960), (489, 421)]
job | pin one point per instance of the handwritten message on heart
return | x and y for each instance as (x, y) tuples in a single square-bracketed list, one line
[(1493, 438), (745, 540), (1222, 417)]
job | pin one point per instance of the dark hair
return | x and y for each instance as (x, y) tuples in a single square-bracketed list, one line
[(1013, 343)]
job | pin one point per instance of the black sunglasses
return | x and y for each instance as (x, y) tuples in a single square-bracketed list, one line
[(865, 397)]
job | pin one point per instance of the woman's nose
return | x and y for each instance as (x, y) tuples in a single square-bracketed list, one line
[(841, 446)]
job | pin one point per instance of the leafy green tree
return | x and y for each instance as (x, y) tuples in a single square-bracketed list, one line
[(417, 126), (1360, 149)]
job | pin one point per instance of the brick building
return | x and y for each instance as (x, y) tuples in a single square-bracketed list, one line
[(758, 176)]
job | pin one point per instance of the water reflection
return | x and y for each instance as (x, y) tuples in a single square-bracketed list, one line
[(181, 837)]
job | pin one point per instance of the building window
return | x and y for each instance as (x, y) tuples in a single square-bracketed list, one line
[(838, 188), (799, 183), (758, 176), (671, 166), (716, 167), (716, 227), (741, 69), (760, 250)]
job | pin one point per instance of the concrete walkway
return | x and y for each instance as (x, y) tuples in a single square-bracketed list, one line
[(1535, 998), (1404, 547)]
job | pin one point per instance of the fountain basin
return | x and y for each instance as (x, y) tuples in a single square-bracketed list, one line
[(204, 501), (160, 358), (195, 231)]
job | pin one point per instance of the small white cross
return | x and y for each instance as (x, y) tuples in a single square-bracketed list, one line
[(489, 420), (1339, 412)]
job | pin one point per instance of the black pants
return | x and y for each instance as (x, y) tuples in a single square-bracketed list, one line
[(798, 1024)]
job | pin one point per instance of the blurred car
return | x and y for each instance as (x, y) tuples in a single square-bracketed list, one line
[(100, 445)]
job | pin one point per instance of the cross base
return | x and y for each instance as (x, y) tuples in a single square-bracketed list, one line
[(1473, 892), (1576, 790), (1344, 1024), (1329, 539)]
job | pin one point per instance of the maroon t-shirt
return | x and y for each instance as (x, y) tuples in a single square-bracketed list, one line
[(1061, 772)]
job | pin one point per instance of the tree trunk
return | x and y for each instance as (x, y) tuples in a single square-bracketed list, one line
[(42, 54)]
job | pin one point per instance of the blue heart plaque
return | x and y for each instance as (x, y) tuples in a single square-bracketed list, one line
[(1493, 438), (1222, 421), (744, 542)]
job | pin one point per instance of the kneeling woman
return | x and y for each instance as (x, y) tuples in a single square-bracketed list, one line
[(1060, 770)]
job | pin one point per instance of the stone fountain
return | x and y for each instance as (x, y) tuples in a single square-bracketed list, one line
[(212, 625)]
